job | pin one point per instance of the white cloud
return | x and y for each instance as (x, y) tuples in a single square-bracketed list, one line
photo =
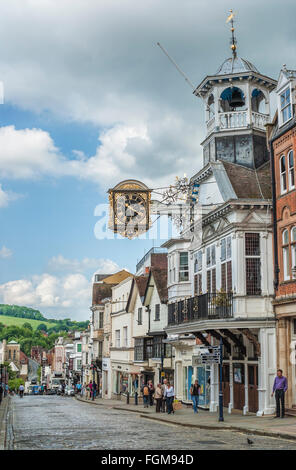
[(101, 265), (5, 252), (7, 196), (66, 296), (102, 66)]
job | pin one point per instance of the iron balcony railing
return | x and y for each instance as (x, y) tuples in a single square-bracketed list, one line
[(201, 307)]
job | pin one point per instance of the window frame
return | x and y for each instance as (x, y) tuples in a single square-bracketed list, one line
[(286, 105), (255, 257), (183, 269), (291, 170), (286, 255), (117, 338), (283, 175)]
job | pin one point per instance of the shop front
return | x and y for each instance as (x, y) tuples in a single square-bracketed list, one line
[(124, 380)]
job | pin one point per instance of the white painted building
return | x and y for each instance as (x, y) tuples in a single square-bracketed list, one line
[(220, 283), (121, 345)]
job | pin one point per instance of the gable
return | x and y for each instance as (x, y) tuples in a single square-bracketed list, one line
[(282, 81)]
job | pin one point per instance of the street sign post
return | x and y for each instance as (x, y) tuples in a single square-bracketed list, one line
[(221, 418)]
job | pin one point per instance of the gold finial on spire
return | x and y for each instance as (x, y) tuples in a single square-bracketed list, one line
[(233, 39)]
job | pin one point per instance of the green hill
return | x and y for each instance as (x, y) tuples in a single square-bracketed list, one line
[(9, 320)]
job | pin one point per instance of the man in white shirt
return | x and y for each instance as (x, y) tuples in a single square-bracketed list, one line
[(169, 395), (163, 388)]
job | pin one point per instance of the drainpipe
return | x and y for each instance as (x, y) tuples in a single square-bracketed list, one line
[(274, 219)]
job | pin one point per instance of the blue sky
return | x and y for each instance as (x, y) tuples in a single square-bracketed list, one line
[(90, 100)]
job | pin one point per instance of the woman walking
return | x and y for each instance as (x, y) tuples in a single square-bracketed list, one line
[(195, 392), (158, 398), (169, 395)]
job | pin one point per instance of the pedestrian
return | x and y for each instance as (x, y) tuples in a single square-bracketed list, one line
[(195, 392), (169, 395), (280, 386), (158, 398), (151, 392), (164, 386), (21, 390), (89, 390), (1, 391), (145, 391), (94, 390)]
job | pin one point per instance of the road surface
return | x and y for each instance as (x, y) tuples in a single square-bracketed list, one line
[(55, 422)]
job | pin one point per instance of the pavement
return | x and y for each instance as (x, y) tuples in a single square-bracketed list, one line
[(3, 420), (250, 424)]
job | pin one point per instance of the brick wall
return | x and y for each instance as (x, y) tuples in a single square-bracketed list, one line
[(285, 206)]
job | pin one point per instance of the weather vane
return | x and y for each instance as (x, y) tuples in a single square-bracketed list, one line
[(233, 41)]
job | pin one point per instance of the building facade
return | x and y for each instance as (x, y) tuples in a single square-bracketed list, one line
[(220, 286), (282, 137)]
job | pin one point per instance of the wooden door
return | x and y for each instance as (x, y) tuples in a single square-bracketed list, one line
[(225, 385), (253, 388), (238, 386)]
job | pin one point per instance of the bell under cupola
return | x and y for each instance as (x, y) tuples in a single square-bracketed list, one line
[(237, 108)]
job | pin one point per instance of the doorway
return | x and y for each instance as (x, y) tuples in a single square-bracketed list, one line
[(253, 388), (238, 386), (225, 385)]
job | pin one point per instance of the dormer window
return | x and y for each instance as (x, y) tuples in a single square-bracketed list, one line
[(285, 103)]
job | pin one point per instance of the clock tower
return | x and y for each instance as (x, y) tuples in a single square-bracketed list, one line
[(237, 108)]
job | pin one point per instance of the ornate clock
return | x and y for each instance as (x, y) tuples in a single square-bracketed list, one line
[(129, 208)]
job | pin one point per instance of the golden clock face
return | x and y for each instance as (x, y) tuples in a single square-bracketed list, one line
[(131, 209)]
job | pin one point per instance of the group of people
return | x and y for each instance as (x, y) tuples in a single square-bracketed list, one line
[(163, 395)]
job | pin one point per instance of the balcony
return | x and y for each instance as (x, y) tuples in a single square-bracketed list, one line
[(237, 120), (201, 307)]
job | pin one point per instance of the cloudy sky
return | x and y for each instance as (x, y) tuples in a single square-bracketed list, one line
[(89, 100)]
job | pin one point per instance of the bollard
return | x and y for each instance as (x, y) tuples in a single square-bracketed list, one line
[(127, 398), (136, 398)]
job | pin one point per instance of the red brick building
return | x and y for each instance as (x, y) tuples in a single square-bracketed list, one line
[(282, 138)]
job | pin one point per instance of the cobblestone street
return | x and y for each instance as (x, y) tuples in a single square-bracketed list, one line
[(54, 422)]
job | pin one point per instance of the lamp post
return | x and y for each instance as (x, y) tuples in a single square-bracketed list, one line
[(221, 418)]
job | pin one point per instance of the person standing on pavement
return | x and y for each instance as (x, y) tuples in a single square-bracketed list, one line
[(94, 390), (21, 390), (169, 395), (164, 386), (158, 397), (151, 392), (145, 391), (89, 390), (195, 392), (1, 391), (280, 386)]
